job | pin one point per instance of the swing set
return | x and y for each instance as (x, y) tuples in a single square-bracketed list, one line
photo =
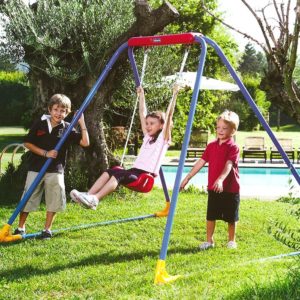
[(161, 275)]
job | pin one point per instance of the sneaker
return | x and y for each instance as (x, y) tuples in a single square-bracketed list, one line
[(231, 245), (46, 234), (88, 201), (206, 246), (75, 195), (19, 231)]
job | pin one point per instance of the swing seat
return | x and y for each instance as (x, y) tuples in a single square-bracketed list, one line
[(143, 184)]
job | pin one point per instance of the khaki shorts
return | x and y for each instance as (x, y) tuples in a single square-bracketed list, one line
[(55, 196)]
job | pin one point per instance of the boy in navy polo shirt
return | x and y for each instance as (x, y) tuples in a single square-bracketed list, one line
[(223, 179), (41, 141)]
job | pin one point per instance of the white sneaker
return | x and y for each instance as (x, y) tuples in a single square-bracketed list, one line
[(231, 245), (206, 246), (75, 195), (89, 201)]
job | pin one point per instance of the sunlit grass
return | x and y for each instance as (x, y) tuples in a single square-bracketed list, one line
[(118, 261)]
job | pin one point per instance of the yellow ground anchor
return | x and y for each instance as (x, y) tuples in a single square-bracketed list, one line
[(161, 275), (6, 236), (164, 212)]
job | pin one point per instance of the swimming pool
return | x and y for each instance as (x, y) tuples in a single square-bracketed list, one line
[(261, 183)]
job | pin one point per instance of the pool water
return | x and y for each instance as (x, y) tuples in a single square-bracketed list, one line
[(262, 183)]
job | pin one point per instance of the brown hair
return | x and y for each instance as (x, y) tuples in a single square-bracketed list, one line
[(61, 100), (161, 117)]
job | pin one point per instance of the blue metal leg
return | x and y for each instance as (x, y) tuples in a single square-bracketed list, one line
[(166, 238), (164, 185)]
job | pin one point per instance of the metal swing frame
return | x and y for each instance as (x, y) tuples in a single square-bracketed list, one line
[(161, 275)]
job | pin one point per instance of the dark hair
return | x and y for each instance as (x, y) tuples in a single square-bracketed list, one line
[(160, 116)]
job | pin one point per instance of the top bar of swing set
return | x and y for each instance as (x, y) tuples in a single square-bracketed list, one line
[(163, 40), (185, 38)]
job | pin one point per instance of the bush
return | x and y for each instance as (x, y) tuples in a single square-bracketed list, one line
[(12, 181), (15, 98)]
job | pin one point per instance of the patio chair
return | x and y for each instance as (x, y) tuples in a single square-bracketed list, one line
[(198, 143), (287, 145), (254, 147)]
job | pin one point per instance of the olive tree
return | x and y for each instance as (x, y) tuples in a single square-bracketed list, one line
[(66, 45)]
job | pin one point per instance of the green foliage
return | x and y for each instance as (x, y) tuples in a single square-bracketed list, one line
[(69, 38), (296, 73), (252, 62), (164, 61), (12, 182), (15, 98), (236, 102), (75, 177), (284, 231)]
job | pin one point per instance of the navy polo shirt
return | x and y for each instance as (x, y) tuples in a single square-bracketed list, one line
[(217, 155), (40, 136)]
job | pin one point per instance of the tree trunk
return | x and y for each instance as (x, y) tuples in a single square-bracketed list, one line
[(286, 98)]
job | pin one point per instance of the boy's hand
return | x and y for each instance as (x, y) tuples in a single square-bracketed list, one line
[(184, 183), (81, 121), (218, 186), (51, 154)]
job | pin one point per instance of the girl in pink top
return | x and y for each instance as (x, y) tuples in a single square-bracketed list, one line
[(156, 127)]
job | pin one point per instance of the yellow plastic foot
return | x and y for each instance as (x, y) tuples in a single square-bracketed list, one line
[(161, 275), (164, 212), (6, 236)]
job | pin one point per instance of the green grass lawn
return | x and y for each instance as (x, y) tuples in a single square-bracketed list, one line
[(118, 261)]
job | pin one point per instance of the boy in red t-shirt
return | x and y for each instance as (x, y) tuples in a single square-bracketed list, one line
[(223, 179)]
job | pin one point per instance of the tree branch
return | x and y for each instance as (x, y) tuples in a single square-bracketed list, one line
[(269, 48), (294, 48), (233, 28)]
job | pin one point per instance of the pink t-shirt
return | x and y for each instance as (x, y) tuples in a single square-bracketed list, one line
[(217, 155), (151, 155)]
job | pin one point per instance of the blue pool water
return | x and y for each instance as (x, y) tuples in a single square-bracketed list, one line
[(264, 183)]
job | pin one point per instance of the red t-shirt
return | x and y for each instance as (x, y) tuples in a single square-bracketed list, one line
[(217, 155)]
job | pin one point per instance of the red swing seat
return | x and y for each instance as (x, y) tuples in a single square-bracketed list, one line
[(143, 184)]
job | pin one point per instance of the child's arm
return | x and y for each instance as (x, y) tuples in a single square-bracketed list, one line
[(85, 140), (169, 114), (196, 168), (218, 185), (142, 108), (39, 151)]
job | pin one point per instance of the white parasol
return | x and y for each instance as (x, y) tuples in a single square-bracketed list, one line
[(188, 79)]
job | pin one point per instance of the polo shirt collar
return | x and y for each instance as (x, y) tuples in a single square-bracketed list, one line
[(230, 141), (48, 118)]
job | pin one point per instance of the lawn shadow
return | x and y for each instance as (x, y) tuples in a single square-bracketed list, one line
[(28, 271)]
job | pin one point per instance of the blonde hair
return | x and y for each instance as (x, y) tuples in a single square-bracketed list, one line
[(230, 118), (61, 100)]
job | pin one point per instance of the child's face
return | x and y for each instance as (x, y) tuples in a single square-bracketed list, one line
[(57, 113), (224, 130), (153, 125)]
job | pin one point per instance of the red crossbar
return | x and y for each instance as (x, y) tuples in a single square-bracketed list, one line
[(160, 40)]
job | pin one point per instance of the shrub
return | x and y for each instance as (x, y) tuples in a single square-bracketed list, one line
[(15, 98)]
